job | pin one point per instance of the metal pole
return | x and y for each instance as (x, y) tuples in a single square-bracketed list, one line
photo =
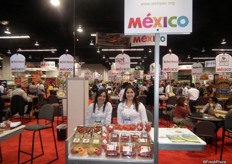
[(156, 98), (74, 35)]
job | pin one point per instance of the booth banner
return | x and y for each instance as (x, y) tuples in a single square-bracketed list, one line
[(152, 68), (66, 63), (197, 68), (152, 16), (210, 63), (122, 62), (170, 63), (147, 40), (17, 63), (47, 64), (223, 63), (112, 40)]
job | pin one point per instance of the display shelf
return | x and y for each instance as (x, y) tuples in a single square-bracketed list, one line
[(86, 159)]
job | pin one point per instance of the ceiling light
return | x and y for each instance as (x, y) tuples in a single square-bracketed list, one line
[(55, 2), (37, 50), (91, 43), (203, 49), (170, 50), (7, 31), (189, 56), (145, 56), (79, 29), (223, 41), (150, 51), (98, 51), (36, 43), (93, 35), (4, 23), (15, 37), (103, 57), (30, 57)]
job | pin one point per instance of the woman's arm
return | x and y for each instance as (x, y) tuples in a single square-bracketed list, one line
[(108, 113), (119, 113), (88, 115), (143, 113)]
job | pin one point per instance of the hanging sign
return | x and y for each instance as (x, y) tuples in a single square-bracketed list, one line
[(66, 63), (147, 40), (223, 63), (17, 63), (197, 68), (210, 63), (170, 63), (152, 16), (122, 62)]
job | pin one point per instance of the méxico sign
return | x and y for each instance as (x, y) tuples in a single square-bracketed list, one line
[(155, 16)]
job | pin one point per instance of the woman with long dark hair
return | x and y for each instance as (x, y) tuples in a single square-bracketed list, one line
[(181, 111), (100, 110), (130, 110)]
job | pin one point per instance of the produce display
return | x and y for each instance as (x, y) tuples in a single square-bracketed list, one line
[(113, 141)]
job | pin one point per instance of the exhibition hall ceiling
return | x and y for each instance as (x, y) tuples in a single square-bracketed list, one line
[(53, 28)]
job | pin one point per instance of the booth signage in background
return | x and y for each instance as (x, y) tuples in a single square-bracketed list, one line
[(17, 63), (184, 67), (138, 74), (122, 62), (66, 63), (197, 68), (112, 39), (210, 63), (147, 40), (149, 17), (223, 63), (170, 63), (47, 65)]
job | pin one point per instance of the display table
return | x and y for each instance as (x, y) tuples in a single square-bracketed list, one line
[(164, 144), (9, 134)]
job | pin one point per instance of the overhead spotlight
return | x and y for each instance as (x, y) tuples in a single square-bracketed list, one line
[(8, 52), (30, 57), (103, 57), (36, 43), (91, 43), (223, 41), (55, 2), (170, 50), (150, 51), (145, 56), (98, 50), (79, 29), (7, 31), (189, 56), (203, 49)]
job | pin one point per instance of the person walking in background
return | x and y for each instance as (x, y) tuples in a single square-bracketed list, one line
[(100, 111), (150, 95), (192, 95), (185, 90), (130, 110)]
